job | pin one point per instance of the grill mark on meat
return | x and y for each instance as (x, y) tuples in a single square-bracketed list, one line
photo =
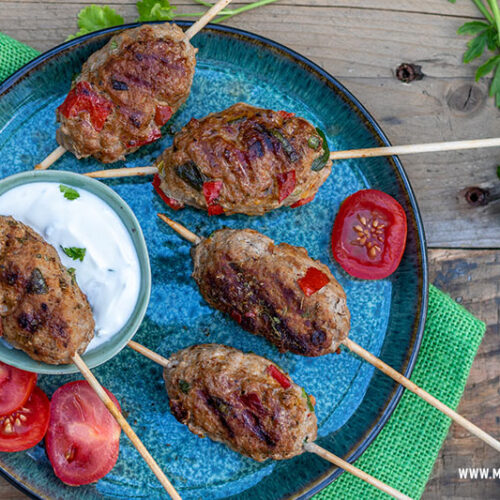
[(28, 322), (252, 422), (221, 408), (178, 411)]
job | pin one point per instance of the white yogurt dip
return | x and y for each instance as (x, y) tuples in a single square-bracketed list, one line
[(109, 274)]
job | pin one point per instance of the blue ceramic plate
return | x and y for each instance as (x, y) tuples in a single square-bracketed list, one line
[(353, 402)]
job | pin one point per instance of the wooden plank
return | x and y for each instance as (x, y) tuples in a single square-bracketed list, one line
[(473, 279), (348, 42), (435, 110)]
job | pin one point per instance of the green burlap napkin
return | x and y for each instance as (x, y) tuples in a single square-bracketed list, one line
[(404, 452)]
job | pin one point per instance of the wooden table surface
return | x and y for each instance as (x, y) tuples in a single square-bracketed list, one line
[(362, 42)]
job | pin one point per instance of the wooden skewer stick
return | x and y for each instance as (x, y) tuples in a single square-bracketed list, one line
[(378, 363), (206, 18), (335, 155), (195, 28), (310, 447), (408, 384), (122, 172), (52, 158), (430, 147), (90, 378), (330, 457)]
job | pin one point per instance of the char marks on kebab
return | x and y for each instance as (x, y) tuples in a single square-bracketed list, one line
[(242, 400), (276, 291), (126, 91), (43, 311), (244, 160)]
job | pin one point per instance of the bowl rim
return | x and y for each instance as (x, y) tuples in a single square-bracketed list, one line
[(115, 202), (414, 217)]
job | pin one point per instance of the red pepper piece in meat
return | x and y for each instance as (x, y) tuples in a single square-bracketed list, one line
[(215, 210), (286, 184), (174, 204), (211, 192), (236, 316), (313, 281), (162, 115), (281, 378), (152, 137), (83, 98), (286, 115), (304, 201)]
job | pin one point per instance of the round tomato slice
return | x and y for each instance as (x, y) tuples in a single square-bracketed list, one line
[(369, 234), (16, 387), (26, 426), (83, 439)]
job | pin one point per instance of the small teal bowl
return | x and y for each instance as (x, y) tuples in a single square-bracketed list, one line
[(115, 344)]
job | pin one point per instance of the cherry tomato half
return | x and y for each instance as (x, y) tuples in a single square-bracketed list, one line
[(26, 426), (369, 234), (83, 439), (16, 387)]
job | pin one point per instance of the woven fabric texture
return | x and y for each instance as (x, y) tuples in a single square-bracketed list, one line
[(13, 55), (404, 452)]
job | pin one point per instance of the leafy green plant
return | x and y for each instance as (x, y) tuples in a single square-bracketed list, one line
[(486, 34), (97, 17)]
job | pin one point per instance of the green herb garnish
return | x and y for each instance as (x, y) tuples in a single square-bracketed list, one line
[(184, 386), (308, 399), (74, 252), (486, 35), (69, 192), (113, 45), (97, 17)]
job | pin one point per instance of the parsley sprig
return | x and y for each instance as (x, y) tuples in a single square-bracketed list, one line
[(75, 253), (98, 17), (486, 34)]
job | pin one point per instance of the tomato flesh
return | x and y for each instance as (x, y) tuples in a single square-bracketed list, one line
[(369, 234), (303, 201), (25, 427), (83, 439), (16, 387)]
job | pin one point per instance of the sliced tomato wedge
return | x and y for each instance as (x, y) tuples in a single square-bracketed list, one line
[(16, 387), (83, 439), (369, 234), (25, 427)]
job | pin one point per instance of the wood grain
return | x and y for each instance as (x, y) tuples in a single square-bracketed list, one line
[(361, 42)]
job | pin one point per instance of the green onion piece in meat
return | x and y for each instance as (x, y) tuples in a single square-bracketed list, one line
[(308, 399), (313, 142)]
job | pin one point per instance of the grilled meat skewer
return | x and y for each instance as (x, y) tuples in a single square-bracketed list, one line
[(242, 400), (245, 402), (42, 309), (280, 332), (126, 91), (244, 160), (244, 274)]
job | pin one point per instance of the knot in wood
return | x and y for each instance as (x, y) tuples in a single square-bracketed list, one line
[(467, 98), (407, 72), (476, 196)]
